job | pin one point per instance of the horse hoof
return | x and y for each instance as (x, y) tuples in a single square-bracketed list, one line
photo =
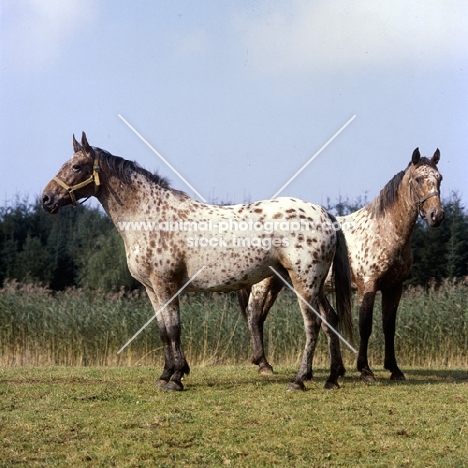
[(295, 386), (367, 376), (307, 376), (266, 370), (161, 383), (397, 375), (330, 385), (173, 386)]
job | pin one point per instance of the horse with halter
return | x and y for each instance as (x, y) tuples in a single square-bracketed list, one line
[(378, 237), (161, 228)]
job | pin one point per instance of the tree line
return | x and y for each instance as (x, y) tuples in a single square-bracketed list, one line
[(80, 247)]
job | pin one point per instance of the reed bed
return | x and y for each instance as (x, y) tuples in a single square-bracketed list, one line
[(80, 328)]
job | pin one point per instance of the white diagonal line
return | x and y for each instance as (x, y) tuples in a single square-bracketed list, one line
[(160, 157), (161, 309), (313, 310), (314, 156)]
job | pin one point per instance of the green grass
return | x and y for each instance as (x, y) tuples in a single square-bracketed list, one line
[(78, 327), (230, 416)]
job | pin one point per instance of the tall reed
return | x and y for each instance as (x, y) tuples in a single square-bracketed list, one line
[(79, 327)]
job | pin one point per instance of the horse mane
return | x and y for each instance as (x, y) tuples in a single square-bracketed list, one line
[(389, 194), (387, 197), (124, 169)]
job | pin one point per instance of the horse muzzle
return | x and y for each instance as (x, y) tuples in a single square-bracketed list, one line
[(50, 201), (434, 217)]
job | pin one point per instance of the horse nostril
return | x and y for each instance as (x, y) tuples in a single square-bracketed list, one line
[(437, 216), (45, 199)]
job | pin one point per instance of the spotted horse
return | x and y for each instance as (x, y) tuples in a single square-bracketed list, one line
[(378, 238), (168, 257)]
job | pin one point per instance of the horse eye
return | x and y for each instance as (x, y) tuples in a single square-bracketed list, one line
[(418, 179), (77, 167)]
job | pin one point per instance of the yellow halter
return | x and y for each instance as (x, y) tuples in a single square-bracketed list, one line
[(94, 177)]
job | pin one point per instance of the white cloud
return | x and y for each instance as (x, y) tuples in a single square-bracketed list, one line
[(35, 32), (302, 35)]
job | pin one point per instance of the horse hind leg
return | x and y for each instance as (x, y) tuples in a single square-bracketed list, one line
[(309, 374), (308, 300), (337, 368), (390, 301), (261, 299)]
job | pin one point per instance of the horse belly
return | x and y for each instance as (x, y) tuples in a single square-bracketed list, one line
[(226, 277)]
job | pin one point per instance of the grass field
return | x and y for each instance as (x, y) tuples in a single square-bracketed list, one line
[(230, 416)]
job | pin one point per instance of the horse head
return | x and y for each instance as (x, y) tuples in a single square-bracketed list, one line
[(77, 178), (424, 184)]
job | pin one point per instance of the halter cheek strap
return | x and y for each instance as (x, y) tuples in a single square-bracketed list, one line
[(94, 177), (418, 199)]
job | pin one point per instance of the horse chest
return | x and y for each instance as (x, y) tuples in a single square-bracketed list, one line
[(378, 260), (148, 251)]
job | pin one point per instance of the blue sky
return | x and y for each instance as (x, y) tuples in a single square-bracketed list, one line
[(237, 96)]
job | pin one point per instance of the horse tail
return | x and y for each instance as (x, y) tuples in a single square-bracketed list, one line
[(243, 298), (341, 279)]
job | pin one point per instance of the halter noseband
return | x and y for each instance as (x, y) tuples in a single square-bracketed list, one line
[(418, 199), (94, 177)]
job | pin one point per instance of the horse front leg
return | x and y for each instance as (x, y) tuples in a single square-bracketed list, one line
[(261, 299), (366, 309), (169, 363), (175, 364), (181, 366), (337, 368), (390, 301)]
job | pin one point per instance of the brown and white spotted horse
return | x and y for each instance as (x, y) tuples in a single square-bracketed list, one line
[(379, 245), (161, 230)]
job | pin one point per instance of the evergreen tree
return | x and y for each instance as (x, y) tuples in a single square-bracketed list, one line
[(457, 245), (105, 266), (81, 247), (34, 262), (344, 207), (443, 251)]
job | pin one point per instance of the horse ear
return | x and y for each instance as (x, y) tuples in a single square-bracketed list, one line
[(85, 144), (436, 157), (416, 156), (76, 146)]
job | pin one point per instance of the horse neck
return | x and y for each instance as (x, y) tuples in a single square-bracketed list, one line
[(402, 215), (126, 201)]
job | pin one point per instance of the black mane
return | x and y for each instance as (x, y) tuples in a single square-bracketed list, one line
[(123, 169)]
